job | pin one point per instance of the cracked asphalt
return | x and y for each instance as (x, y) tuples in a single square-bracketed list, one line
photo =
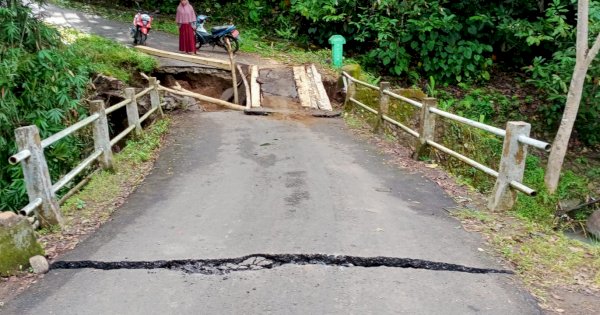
[(228, 185)]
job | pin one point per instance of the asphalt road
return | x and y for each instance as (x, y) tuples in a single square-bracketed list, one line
[(119, 32), (227, 185)]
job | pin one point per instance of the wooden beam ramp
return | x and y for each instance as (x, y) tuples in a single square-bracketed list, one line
[(311, 92)]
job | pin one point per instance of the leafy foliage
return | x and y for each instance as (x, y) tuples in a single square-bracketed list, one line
[(42, 82)]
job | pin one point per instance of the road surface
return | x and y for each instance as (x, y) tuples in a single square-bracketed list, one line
[(228, 185)]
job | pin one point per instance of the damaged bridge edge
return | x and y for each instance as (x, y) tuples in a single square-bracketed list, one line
[(270, 261)]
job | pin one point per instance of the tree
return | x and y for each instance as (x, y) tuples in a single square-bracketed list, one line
[(584, 57)]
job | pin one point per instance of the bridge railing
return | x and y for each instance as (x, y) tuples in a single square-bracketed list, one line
[(40, 190), (514, 151)]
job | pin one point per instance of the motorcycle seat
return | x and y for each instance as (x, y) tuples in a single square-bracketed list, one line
[(219, 28)]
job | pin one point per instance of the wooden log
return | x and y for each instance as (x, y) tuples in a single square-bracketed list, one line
[(254, 86), (322, 97), (183, 57), (236, 98), (312, 91), (201, 97), (247, 87), (302, 85)]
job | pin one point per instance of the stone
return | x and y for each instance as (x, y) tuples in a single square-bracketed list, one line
[(17, 244), (7, 218), (39, 264), (593, 224)]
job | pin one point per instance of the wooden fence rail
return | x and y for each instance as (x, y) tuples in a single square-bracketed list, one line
[(42, 193), (514, 151)]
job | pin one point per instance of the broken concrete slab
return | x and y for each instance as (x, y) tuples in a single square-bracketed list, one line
[(254, 86), (325, 113)]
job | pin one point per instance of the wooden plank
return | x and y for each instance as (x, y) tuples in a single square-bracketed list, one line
[(322, 97), (184, 92), (184, 57), (312, 90), (246, 86), (254, 86), (302, 85), (236, 99)]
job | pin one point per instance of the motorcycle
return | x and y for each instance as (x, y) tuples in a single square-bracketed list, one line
[(217, 35), (142, 23)]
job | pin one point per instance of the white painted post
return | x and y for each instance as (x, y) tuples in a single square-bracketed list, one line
[(350, 93), (37, 177), (426, 128), (101, 135), (512, 166), (154, 96), (133, 116), (384, 100)]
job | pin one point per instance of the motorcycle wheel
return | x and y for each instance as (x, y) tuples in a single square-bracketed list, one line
[(198, 42), (143, 38), (140, 38), (136, 37), (235, 45)]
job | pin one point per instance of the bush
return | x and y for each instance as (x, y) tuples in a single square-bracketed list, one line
[(50, 99)]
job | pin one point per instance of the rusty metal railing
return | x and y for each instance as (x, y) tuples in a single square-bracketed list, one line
[(514, 151)]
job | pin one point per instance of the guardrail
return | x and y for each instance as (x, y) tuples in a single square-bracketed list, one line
[(514, 150), (41, 191)]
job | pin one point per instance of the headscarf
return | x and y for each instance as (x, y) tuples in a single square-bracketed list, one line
[(185, 14)]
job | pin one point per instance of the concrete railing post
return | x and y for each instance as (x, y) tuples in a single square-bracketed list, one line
[(101, 135), (350, 93), (512, 166), (384, 101), (37, 177), (426, 128), (133, 116), (154, 96)]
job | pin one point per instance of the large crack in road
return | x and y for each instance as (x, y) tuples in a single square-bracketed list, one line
[(270, 261)]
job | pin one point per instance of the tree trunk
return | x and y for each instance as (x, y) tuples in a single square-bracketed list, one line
[(583, 60), (561, 141)]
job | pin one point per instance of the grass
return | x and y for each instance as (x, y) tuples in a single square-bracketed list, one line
[(253, 40), (543, 257), (98, 197), (105, 56)]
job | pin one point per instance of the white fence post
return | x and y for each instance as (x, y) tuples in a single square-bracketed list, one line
[(133, 116), (154, 96), (426, 128), (384, 100), (37, 177), (101, 135), (350, 93), (512, 166)]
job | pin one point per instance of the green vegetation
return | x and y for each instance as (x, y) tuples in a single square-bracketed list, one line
[(43, 82), (544, 258)]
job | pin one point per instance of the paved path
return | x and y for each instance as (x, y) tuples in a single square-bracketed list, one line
[(120, 32), (228, 185)]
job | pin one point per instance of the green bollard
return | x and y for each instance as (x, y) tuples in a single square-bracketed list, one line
[(337, 52)]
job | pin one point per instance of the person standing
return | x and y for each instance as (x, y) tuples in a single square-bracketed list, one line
[(186, 18)]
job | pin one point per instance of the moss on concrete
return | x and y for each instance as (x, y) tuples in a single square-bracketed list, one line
[(17, 245)]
